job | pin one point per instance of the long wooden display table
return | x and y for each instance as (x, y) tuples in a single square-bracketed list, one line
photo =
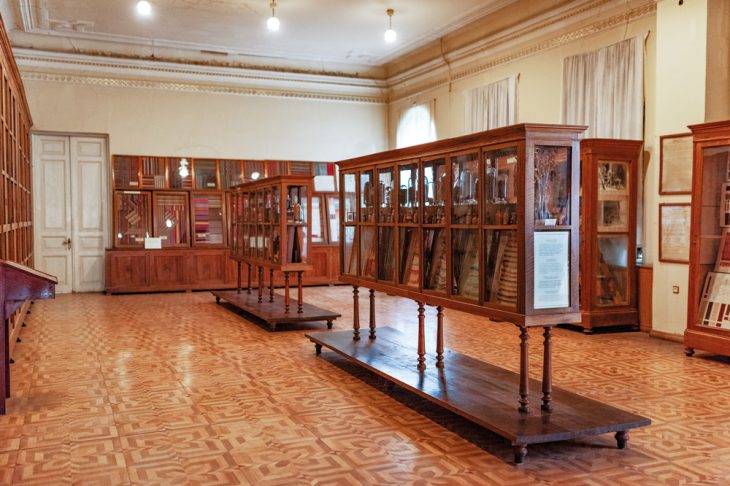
[(18, 284)]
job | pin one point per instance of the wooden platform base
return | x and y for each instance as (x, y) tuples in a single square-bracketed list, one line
[(273, 313), (480, 392)]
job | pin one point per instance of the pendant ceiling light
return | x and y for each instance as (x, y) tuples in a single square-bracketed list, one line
[(144, 8), (390, 35), (273, 23)]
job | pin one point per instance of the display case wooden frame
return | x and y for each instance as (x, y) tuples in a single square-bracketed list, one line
[(711, 154), (609, 170)]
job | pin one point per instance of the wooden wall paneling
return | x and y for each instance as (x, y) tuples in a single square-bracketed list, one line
[(168, 269), (208, 268)]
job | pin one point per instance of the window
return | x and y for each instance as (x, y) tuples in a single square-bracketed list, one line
[(490, 106), (416, 125)]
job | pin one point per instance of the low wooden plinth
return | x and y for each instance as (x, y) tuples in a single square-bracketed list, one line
[(274, 313), (481, 392)]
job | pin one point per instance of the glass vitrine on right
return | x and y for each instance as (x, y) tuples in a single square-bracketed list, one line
[(608, 229)]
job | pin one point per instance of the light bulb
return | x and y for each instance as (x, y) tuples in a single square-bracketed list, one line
[(390, 36), (144, 8), (120, 236), (273, 24), (168, 223), (255, 175), (183, 169)]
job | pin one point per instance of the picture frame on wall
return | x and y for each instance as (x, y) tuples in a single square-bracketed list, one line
[(675, 164), (674, 222)]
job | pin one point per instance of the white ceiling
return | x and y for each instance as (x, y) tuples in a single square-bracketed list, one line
[(340, 31)]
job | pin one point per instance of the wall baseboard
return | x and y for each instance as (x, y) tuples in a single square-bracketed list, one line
[(667, 336)]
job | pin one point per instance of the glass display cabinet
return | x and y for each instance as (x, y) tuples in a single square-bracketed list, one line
[(708, 310), (608, 291), (487, 224), (170, 218), (208, 219), (132, 218)]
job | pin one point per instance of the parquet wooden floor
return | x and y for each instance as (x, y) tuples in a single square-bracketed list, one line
[(174, 389)]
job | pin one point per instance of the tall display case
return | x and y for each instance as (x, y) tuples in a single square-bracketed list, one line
[(608, 294), (708, 310), (271, 228), (487, 224)]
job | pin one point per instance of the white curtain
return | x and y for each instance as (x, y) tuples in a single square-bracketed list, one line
[(416, 125), (604, 89), (490, 106)]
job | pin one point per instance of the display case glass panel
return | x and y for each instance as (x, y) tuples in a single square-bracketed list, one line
[(434, 255), (409, 258), (275, 205), (171, 219), (296, 204), (206, 174), (207, 218), (349, 195), (435, 184), (154, 172), (231, 173), (333, 213), (552, 185), (386, 185), (465, 263), (180, 174), (367, 197), (350, 244), (368, 245), (386, 253), (465, 189), (501, 282), (500, 186), (132, 218), (318, 236), (126, 171), (408, 203), (276, 244), (254, 170), (612, 276)]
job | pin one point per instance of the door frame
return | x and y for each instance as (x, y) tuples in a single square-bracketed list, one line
[(108, 182)]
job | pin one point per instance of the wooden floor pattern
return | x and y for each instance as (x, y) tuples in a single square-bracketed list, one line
[(174, 389)]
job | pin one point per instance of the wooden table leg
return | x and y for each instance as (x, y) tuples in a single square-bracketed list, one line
[(439, 337), (238, 278), (524, 371), (300, 295), (372, 314), (271, 285), (421, 337), (261, 284), (355, 314), (248, 289), (622, 438), (520, 451), (547, 371), (286, 292)]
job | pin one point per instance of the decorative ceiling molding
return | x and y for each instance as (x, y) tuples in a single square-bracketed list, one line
[(83, 69), (473, 61)]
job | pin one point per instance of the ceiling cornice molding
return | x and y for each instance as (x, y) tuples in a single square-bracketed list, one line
[(84, 69), (509, 46)]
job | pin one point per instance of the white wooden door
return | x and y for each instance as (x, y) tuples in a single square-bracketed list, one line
[(70, 210), (88, 215), (52, 208)]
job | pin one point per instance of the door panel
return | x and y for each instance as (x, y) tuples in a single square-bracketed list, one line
[(51, 208), (89, 202)]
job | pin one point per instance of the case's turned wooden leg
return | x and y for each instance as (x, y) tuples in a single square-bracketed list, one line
[(372, 314), (689, 351), (238, 278), (248, 289), (300, 295), (271, 285), (355, 314), (547, 371), (217, 300), (421, 337), (439, 337), (261, 284), (520, 451), (317, 349), (622, 438), (286, 292), (329, 324), (524, 371)]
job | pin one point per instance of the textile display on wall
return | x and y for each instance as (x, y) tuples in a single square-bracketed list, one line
[(491, 106)]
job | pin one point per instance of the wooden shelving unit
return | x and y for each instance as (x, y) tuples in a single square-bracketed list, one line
[(186, 203), (271, 230), (708, 315), (608, 284), (486, 224)]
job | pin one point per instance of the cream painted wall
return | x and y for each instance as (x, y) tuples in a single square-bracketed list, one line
[(163, 122), (680, 101)]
